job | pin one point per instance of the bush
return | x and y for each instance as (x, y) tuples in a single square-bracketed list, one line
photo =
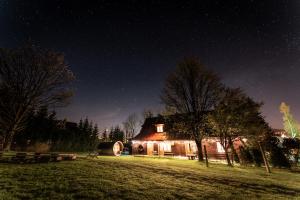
[(257, 157), (291, 148), (246, 157), (277, 158), (277, 155)]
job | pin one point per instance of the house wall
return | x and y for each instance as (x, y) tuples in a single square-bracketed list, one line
[(181, 148), (176, 148), (136, 150)]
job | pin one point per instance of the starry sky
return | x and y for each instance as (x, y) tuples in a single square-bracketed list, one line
[(121, 52)]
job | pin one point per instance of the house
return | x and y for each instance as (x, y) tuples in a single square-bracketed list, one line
[(157, 138)]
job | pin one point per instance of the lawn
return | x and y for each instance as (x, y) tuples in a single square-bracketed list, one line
[(143, 178)]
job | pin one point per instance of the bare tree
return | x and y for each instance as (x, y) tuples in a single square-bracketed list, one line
[(192, 91), (130, 126), (147, 113), (30, 77)]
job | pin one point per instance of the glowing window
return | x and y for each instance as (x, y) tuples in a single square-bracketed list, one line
[(167, 147), (160, 128), (220, 149), (192, 147)]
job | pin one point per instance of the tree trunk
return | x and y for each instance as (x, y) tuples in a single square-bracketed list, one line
[(235, 155), (227, 157), (199, 147), (297, 157), (8, 140)]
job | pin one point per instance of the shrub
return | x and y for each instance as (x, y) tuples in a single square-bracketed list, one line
[(257, 157), (291, 148), (276, 152), (245, 155), (277, 158)]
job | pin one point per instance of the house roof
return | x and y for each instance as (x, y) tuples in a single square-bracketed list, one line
[(149, 132)]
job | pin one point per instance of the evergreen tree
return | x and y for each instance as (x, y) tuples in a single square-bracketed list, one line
[(86, 125), (80, 126), (104, 136), (118, 134), (95, 131), (111, 134), (90, 129), (94, 137)]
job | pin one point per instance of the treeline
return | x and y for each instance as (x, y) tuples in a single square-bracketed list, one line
[(44, 132), (114, 134)]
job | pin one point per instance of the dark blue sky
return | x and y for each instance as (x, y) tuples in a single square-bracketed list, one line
[(121, 52)]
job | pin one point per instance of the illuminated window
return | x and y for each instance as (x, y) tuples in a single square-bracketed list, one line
[(192, 147), (167, 147), (160, 128), (220, 149)]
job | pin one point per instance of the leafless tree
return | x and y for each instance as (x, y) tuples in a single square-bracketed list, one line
[(192, 91), (130, 126), (30, 77)]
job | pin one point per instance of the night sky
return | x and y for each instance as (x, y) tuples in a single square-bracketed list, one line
[(122, 52)]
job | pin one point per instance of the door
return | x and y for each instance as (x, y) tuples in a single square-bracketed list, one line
[(155, 149), (149, 149)]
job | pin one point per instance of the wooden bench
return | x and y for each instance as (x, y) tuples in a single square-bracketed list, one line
[(168, 154)]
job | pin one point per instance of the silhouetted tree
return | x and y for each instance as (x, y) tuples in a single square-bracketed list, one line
[(130, 126), (193, 91), (105, 136), (236, 115), (116, 134), (30, 77)]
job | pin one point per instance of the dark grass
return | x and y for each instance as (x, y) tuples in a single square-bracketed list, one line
[(143, 178)]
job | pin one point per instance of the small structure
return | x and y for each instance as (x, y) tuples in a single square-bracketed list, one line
[(110, 148)]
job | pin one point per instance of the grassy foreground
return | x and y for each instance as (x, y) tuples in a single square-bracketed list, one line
[(143, 178)]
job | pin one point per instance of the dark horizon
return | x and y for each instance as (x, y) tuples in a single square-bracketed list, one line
[(122, 52)]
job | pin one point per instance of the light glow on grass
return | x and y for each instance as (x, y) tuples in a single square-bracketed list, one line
[(128, 177)]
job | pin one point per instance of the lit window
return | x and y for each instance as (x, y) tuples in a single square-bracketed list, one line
[(160, 128), (167, 147), (220, 149), (192, 147)]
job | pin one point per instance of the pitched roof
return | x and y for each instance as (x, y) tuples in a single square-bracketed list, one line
[(149, 132)]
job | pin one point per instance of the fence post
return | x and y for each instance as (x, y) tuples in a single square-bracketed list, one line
[(206, 159)]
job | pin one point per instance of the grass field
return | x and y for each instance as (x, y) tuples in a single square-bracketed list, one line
[(143, 178)]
